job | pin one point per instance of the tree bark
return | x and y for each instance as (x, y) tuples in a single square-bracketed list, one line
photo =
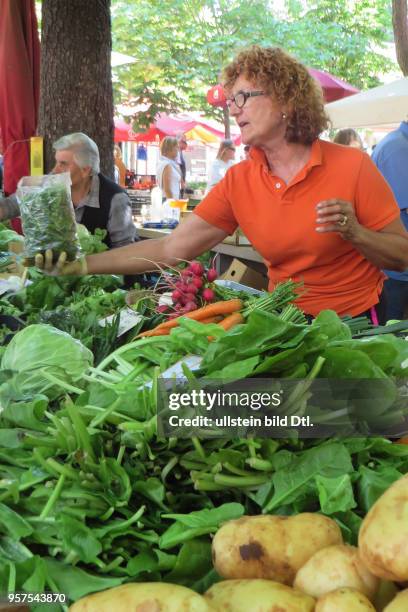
[(227, 121), (76, 80), (400, 25)]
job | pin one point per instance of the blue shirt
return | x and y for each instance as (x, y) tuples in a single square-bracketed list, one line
[(391, 158)]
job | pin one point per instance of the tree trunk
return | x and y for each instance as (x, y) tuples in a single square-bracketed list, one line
[(400, 25), (76, 81), (227, 121)]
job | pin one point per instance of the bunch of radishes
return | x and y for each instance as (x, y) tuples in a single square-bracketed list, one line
[(190, 289)]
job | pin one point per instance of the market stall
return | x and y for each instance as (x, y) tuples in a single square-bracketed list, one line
[(386, 105), (117, 473)]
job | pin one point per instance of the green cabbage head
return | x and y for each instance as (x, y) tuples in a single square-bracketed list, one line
[(36, 351)]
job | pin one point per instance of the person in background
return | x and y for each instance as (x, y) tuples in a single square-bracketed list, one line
[(120, 166), (98, 201), (317, 212), (350, 138), (182, 143), (168, 170), (391, 158), (224, 160)]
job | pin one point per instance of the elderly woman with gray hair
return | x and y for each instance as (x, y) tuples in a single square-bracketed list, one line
[(98, 201)]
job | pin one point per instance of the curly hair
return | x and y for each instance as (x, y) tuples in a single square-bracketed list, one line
[(285, 78)]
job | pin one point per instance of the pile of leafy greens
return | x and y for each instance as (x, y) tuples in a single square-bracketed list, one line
[(91, 496)]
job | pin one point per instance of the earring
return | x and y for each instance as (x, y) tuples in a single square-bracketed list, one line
[(284, 115)]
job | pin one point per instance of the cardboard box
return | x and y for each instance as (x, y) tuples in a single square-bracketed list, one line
[(240, 273), (238, 238)]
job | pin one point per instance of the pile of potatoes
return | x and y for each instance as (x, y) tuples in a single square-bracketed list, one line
[(290, 564)]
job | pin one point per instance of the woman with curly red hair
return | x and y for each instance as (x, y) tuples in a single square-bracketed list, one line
[(317, 212)]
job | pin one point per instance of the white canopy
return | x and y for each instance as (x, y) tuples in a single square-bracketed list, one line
[(384, 105)]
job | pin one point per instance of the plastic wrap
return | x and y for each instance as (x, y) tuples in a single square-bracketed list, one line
[(47, 216)]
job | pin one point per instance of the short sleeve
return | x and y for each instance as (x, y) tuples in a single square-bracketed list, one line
[(216, 208), (376, 206)]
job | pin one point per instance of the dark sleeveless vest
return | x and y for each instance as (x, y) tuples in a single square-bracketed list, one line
[(94, 218)]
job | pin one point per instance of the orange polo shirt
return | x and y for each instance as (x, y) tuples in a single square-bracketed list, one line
[(280, 222)]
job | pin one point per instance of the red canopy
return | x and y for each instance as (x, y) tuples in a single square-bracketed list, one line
[(168, 125), (333, 87), (19, 91), (125, 133)]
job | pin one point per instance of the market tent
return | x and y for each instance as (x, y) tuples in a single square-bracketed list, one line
[(194, 126), (19, 91), (333, 87), (384, 105)]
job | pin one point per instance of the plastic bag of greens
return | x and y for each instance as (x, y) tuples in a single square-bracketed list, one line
[(47, 216)]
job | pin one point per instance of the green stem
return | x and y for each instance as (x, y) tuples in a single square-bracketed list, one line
[(11, 587), (97, 420), (121, 453), (168, 467), (60, 383), (131, 345), (53, 498), (241, 481), (83, 437), (259, 464), (205, 485), (198, 446)]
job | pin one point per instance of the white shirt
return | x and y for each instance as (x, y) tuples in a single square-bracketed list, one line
[(217, 171), (175, 175)]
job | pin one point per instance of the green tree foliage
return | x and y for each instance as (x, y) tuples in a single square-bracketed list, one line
[(182, 45)]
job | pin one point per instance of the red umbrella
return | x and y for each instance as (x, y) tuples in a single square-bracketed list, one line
[(333, 87), (19, 91), (125, 133)]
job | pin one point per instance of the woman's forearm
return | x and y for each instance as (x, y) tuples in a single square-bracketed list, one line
[(135, 258), (386, 250)]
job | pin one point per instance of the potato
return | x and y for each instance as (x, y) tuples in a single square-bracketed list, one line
[(257, 596), (272, 547), (344, 600), (399, 603), (143, 597), (383, 537), (336, 567)]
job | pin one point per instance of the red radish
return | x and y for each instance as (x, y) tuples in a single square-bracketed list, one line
[(211, 275), (208, 295), (197, 281), (186, 272), (189, 307), (176, 295), (196, 268), (162, 308), (190, 297), (192, 288)]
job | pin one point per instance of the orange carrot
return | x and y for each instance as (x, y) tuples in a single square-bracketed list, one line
[(229, 322), (403, 440), (215, 319), (224, 307), (153, 332), (233, 319)]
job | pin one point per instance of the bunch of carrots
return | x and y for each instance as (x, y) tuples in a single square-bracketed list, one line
[(226, 313)]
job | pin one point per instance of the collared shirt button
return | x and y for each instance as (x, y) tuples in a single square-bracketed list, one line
[(278, 185)]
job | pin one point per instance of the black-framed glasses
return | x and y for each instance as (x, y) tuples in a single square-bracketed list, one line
[(241, 97)]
